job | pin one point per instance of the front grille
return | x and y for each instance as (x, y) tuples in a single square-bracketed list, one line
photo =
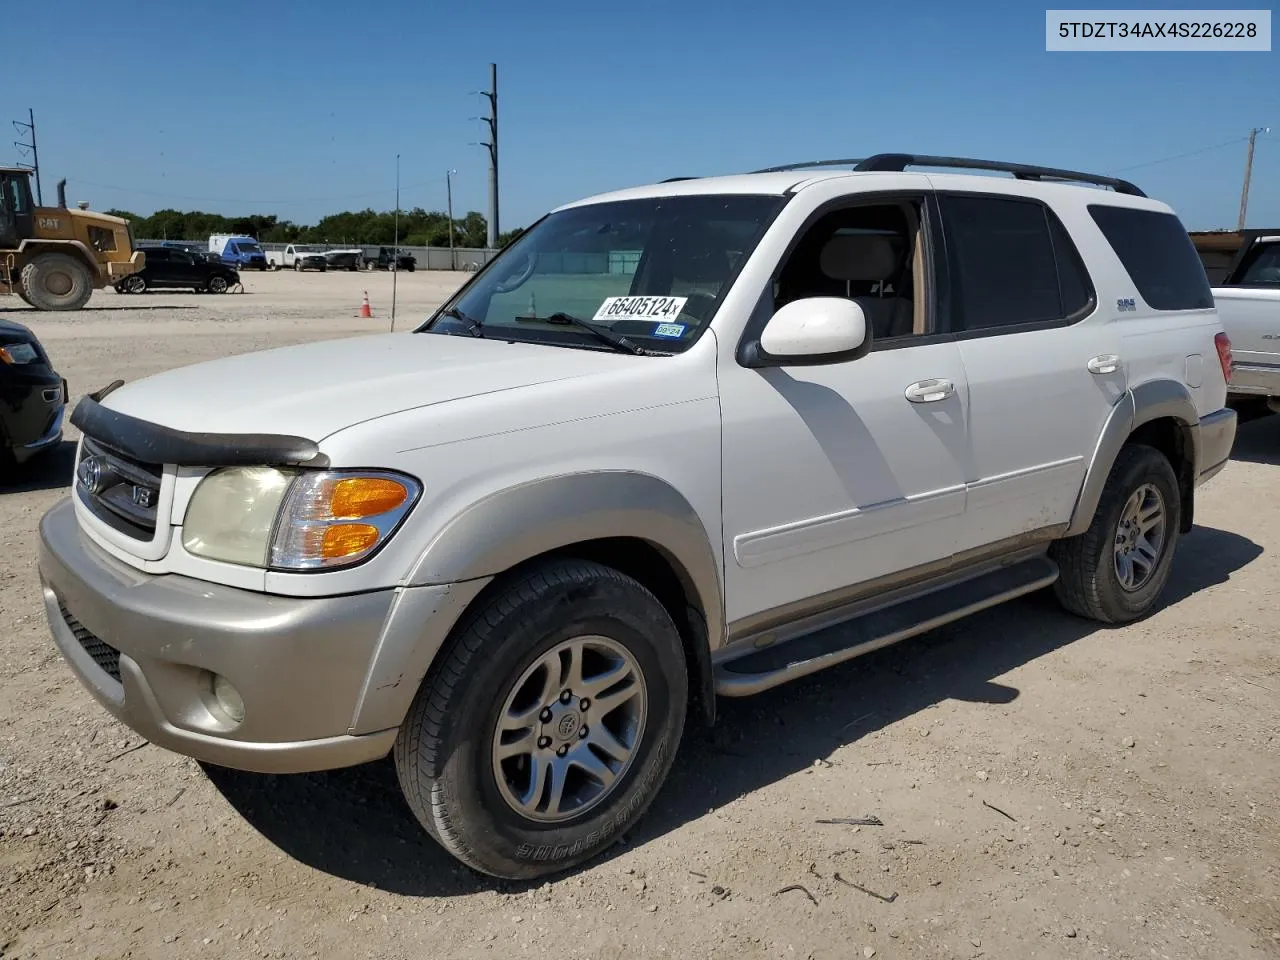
[(104, 655), (122, 492)]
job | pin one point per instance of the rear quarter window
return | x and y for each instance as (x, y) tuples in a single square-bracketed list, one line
[(1158, 255)]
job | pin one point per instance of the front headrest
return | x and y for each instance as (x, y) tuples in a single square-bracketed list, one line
[(858, 258)]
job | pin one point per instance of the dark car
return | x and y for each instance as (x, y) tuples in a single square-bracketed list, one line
[(343, 259), (388, 260), (169, 267), (32, 397)]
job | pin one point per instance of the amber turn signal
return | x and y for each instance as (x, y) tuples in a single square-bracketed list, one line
[(358, 497), (347, 539)]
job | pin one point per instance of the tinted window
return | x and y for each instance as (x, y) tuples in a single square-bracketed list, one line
[(1073, 279), (1002, 265), (156, 254), (1265, 267), (1158, 254)]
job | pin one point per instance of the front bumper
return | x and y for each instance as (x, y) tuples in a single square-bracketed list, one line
[(32, 408), (1217, 432), (146, 647)]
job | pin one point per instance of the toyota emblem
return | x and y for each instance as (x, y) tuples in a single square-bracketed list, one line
[(90, 474)]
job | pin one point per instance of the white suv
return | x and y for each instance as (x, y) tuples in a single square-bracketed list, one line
[(645, 457)]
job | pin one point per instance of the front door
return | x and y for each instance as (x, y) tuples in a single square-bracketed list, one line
[(838, 474), (1042, 379), (16, 212)]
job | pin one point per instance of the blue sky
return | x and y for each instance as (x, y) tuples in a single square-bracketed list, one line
[(300, 108)]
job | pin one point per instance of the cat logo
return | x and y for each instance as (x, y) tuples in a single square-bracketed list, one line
[(49, 223)]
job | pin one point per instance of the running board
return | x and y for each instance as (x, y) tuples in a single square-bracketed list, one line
[(758, 670)]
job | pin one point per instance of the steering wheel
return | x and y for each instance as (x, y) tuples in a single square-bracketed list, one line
[(698, 307), (522, 273)]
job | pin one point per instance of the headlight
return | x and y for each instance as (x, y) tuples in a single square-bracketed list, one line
[(295, 520), (18, 353)]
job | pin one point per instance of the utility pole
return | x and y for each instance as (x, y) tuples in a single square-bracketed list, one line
[(1248, 173), (395, 250), (448, 179), (492, 121), (22, 145)]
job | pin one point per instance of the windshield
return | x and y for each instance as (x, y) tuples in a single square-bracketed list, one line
[(653, 269), (248, 247)]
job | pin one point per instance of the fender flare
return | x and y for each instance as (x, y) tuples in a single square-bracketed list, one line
[(38, 245), (511, 526), (1141, 404)]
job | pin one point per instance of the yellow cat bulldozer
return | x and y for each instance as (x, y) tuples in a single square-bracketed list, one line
[(53, 257)]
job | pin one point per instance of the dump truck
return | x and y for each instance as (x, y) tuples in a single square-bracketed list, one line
[(55, 257)]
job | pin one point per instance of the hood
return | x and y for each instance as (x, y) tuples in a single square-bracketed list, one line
[(316, 389), (10, 328)]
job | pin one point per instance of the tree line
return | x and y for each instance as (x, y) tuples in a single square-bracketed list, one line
[(418, 228)]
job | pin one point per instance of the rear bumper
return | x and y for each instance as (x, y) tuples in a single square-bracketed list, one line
[(1217, 432), (116, 270), (1255, 380)]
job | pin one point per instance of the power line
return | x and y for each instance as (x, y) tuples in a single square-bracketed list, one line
[(1180, 156), (242, 200)]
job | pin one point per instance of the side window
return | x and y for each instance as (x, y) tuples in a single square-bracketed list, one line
[(178, 256), (1158, 254), (1074, 285), (157, 255), (872, 254), (1264, 268), (1003, 268)]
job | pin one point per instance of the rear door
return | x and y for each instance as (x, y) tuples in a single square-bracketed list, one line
[(1042, 378)]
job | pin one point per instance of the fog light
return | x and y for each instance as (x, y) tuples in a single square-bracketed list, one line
[(228, 698)]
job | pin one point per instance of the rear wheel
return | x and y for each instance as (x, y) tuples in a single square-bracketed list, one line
[(550, 723), (56, 281), (1116, 570)]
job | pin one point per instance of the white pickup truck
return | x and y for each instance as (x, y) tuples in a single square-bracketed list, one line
[(1249, 304), (297, 256), (829, 410)]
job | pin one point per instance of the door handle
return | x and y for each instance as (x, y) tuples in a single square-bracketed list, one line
[(1107, 363), (930, 391)]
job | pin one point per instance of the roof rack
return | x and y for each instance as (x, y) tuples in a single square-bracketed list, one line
[(897, 162), (809, 163)]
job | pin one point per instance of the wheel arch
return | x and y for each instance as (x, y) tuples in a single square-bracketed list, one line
[(1159, 413), (633, 522)]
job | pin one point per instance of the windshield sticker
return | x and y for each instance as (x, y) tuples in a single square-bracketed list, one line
[(640, 308), (673, 330)]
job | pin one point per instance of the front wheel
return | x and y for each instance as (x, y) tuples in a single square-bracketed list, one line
[(550, 723), (135, 283), (56, 281), (217, 284), (1116, 570)]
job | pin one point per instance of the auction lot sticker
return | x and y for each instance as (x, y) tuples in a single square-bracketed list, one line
[(640, 308)]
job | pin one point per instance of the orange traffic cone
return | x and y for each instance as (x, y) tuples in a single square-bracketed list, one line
[(365, 309)]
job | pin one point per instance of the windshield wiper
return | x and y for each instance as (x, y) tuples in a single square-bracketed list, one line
[(617, 341), (474, 327)]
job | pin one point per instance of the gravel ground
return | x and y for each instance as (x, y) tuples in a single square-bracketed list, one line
[(1046, 788)]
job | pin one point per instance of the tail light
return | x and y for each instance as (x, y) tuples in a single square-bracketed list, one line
[(1223, 343)]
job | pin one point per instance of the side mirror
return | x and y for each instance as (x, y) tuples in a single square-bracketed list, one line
[(811, 331)]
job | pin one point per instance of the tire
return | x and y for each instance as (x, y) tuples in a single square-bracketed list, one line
[(17, 288), (1090, 565), (217, 284), (297, 266), (445, 752), (56, 281), (134, 283)]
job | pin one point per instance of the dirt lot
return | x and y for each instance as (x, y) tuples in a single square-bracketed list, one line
[(1047, 788)]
